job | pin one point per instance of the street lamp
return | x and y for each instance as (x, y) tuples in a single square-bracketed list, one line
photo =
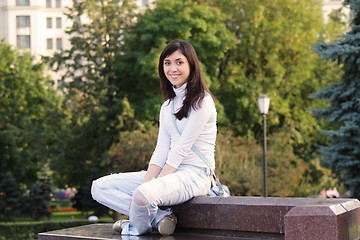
[(263, 102)]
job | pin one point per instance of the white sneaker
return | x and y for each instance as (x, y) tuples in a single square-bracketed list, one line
[(167, 225), (117, 225)]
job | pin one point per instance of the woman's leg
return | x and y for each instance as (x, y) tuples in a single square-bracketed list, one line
[(115, 191), (185, 183)]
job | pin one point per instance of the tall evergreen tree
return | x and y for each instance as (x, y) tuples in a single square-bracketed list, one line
[(37, 201), (10, 197), (343, 154)]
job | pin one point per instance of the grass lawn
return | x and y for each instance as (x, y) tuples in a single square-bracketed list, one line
[(75, 215)]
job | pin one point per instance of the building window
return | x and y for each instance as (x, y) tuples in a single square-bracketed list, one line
[(58, 3), (23, 41), (48, 22), (58, 22), (49, 43), (22, 2), (48, 3), (59, 43), (22, 21)]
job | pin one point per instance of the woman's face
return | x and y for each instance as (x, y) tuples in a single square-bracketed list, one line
[(176, 69)]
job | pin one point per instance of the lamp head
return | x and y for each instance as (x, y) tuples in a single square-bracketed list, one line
[(263, 102)]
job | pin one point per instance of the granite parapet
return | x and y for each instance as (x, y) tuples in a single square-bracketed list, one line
[(246, 218)]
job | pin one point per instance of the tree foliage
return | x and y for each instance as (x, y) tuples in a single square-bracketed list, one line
[(239, 163), (343, 154), (200, 24), (96, 104), (110, 88), (29, 109), (274, 55), (138, 146), (112, 68), (244, 48), (10, 197), (37, 202)]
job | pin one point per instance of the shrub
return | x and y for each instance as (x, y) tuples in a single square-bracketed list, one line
[(134, 150), (239, 163)]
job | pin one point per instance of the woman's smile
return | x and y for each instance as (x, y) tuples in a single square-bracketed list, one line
[(174, 76)]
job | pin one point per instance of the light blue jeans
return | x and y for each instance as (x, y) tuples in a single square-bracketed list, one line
[(116, 192)]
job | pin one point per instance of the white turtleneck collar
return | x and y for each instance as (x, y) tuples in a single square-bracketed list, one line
[(181, 91)]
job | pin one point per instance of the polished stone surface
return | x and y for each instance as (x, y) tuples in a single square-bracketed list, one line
[(331, 219), (248, 214), (246, 218), (104, 232)]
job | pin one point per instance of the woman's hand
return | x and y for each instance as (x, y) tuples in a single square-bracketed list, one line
[(167, 169), (152, 172)]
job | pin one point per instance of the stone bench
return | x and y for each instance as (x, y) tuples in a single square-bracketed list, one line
[(247, 218)]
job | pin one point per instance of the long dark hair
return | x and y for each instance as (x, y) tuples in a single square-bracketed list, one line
[(196, 87)]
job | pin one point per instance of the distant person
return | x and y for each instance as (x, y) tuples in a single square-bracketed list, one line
[(335, 193), (329, 193), (322, 193), (175, 173)]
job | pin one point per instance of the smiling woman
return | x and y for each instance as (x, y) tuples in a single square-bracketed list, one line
[(175, 173)]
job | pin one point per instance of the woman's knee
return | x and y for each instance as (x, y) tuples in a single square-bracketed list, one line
[(139, 198), (95, 190)]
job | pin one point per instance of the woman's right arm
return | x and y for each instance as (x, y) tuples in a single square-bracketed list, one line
[(162, 148)]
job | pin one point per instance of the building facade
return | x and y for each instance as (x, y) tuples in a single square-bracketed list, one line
[(329, 5), (37, 26)]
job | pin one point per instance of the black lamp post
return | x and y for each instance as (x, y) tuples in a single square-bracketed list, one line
[(263, 102)]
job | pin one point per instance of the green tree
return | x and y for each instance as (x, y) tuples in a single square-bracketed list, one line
[(10, 197), (200, 24), (343, 154), (274, 55), (38, 201), (29, 113), (95, 102)]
